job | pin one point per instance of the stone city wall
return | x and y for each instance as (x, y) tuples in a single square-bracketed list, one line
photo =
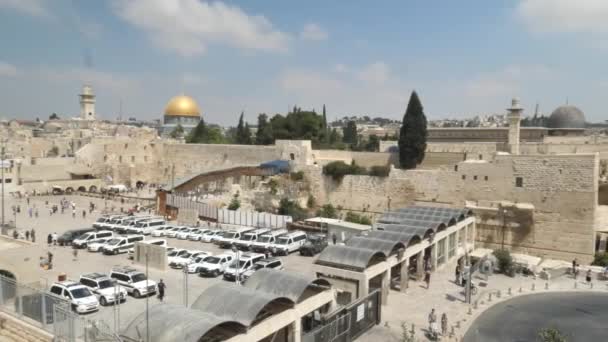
[(562, 190)]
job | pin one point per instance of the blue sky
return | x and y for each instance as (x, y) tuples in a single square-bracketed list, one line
[(358, 57)]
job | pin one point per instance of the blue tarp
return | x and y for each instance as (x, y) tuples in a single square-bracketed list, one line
[(277, 166)]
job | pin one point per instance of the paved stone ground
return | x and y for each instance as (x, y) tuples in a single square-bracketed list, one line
[(94, 262), (444, 295)]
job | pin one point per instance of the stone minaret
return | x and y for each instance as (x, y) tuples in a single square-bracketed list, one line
[(514, 118), (87, 103)]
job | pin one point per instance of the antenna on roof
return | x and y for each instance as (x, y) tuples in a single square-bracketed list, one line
[(536, 109)]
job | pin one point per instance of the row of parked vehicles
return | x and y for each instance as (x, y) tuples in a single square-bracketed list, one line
[(95, 289)]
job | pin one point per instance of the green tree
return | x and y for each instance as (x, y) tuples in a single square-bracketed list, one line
[(235, 204), (206, 134), (291, 208), (177, 132), (551, 335), (350, 133), (372, 144), (413, 135), (264, 134), (356, 218), (327, 211), (311, 202), (243, 133), (334, 137)]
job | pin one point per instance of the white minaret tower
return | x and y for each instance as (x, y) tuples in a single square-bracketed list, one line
[(514, 118), (87, 103)]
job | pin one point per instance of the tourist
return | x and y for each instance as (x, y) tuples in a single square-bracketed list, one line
[(161, 290), (432, 319), (74, 213), (574, 262), (457, 274), (55, 237), (33, 234), (444, 324), (50, 258), (30, 212), (84, 214), (36, 212), (49, 239), (75, 254), (427, 278), (15, 234), (334, 238), (588, 277), (27, 235)]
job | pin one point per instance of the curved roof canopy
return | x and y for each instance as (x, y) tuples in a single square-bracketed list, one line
[(283, 284), (169, 322), (405, 238), (240, 304), (349, 257), (387, 247)]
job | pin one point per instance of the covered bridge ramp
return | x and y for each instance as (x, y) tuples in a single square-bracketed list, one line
[(169, 322)]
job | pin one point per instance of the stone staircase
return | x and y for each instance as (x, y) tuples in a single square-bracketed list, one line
[(14, 330)]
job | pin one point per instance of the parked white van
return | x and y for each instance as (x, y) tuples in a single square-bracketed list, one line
[(265, 240), (83, 240), (231, 236), (121, 244), (290, 242), (244, 243), (146, 227)]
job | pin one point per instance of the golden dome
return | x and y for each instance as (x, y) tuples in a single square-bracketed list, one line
[(182, 105)]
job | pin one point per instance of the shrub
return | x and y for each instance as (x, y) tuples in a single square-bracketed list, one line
[(273, 184), (312, 202), (338, 169), (379, 171), (600, 259), (505, 261), (356, 218), (327, 211), (551, 335), (297, 176), (291, 208), (234, 204)]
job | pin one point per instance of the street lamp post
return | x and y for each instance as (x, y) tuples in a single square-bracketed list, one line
[(237, 268), (2, 156)]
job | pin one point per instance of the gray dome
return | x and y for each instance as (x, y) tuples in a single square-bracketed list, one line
[(567, 117)]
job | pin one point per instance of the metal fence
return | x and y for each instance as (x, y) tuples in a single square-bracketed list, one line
[(349, 322), (50, 312), (237, 217)]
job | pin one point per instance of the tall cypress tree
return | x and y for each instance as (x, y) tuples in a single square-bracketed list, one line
[(243, 135), (413, 134)]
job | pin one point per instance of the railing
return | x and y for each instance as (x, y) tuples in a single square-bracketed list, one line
[(51, 313)]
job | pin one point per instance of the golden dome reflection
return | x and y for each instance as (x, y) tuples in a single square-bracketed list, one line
[(182, 105)]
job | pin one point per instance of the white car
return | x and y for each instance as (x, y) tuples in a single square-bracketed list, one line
[(104, 288), (96, 245), (215, 265), (245, 262), (196, 234), (184, 233), (161, 231), (179, 261), (81, 298), (174, 231), (211, 235), (197, 263), (135, 282), (272, 263)]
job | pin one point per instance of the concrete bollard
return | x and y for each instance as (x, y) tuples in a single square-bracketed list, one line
[(509, 292), (546, 286)]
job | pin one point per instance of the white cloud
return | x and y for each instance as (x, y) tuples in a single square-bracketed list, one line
[(377, 72), (506, 82), (30, 7), (314, 32), (189, 26), (7, 70), (581, 16)]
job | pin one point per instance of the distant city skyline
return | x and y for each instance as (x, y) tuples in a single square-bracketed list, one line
[(464, 59)]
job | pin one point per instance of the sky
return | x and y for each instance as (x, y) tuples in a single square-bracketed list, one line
[(464, 58)]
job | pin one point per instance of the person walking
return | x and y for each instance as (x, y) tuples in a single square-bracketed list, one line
[(588, 277), (574, 262), (427, 278), (444, 324), (33, 234), (27, 235), (457, 273), (30, 212), (49, 239), (15, 234), (75, 254), (36, 212), (432, 320), (334, 238), (74, 213), (50, 258), (55, 237), (84, 214), (161, 290)]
